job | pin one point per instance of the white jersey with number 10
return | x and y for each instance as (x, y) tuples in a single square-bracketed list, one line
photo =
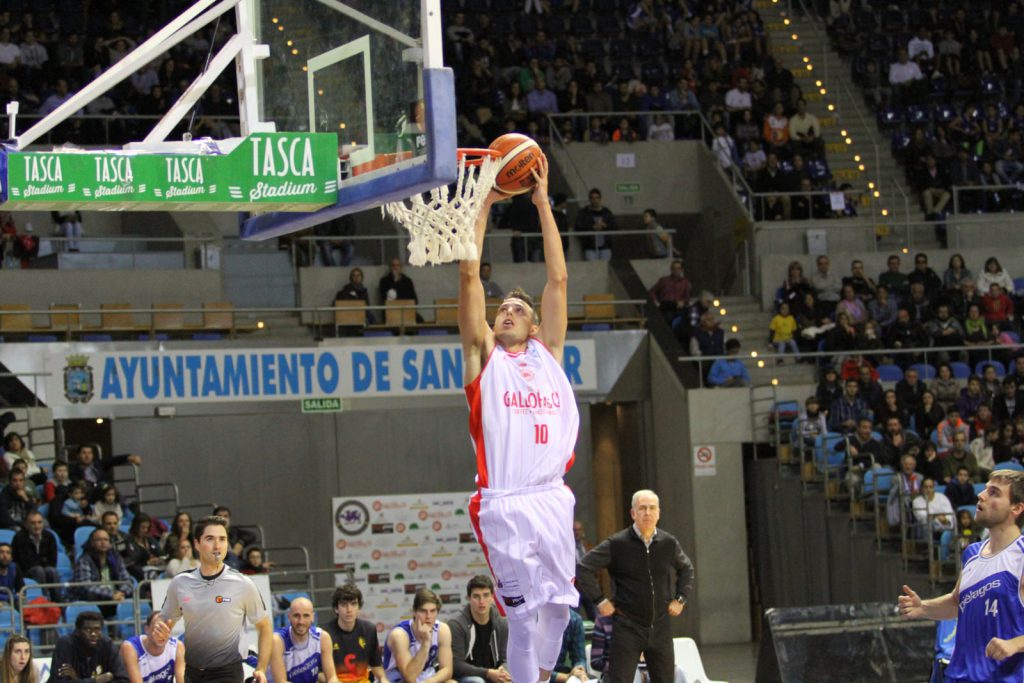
[(522, 418)]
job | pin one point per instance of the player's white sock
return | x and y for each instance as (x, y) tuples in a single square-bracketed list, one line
[(522, 658), (547, 639)]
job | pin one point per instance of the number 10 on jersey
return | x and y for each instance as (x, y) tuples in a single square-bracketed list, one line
[(540, 433)]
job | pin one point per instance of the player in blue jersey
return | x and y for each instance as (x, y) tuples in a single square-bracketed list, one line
[(988, 599), (302, 652), (152, 658)]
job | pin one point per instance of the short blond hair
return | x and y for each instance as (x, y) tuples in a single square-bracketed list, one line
[(1015, 479)]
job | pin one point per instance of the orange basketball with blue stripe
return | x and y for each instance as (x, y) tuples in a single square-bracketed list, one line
[(519, 156)]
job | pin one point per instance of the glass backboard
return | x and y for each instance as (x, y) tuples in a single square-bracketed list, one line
[(371, 72)]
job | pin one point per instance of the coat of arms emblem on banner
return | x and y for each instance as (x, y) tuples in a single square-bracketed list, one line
[(78, 386)]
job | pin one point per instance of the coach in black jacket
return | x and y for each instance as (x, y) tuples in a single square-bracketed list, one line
[(652, 578)]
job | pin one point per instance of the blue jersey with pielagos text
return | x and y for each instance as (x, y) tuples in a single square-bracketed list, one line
[(990, 606)]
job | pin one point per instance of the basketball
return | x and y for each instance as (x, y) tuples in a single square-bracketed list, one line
[(519, 155)]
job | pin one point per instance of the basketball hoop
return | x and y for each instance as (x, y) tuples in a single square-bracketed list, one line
[(441, 222)]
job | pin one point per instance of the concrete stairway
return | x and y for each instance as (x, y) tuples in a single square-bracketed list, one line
[(866, 162), (744, 320)]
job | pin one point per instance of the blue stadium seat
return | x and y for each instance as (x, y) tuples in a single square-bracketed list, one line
[(900, 141), (937, 87), (42, 338), (944, 113), (960, 370), (878, 481), (31, 590), (97, 337), (126, 612), (159, 336), (917, 115), (8, 623), (207, 336), (818, 170), (945, 544), (826, 457), (378, 333), (924, 370), (81, 537), (1018, 284), (934, 437), (890, 117), (1000, 368), (785, 414), (990, 86), (1010, 465), (978, 488), (6, 535), (596, 327), (889, 373)]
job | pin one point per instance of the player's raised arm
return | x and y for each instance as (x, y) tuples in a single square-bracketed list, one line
[(473, 327), (554, 306)]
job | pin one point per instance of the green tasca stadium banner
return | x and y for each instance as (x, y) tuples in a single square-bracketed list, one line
[(267, 171)]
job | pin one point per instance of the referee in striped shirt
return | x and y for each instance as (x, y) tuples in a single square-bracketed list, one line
[(215, 601)]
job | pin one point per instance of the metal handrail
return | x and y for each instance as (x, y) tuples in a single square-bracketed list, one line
[(133, 600), (34, 376), (966, 189), (309, 242), (773, 360), (106, 119), (173, 487)]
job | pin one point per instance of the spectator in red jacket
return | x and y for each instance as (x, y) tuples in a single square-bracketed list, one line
[(997, 306)]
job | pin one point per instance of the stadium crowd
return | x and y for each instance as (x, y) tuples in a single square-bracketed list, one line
[(945, 81)]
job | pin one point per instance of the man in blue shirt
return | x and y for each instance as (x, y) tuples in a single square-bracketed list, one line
[(729, 372)]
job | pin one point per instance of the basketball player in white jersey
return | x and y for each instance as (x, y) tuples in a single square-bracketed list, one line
[(988, 599), (523, 422)]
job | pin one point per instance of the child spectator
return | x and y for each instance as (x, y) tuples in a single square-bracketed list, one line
[(783, 327), (960, 491), (966, 534), (110, 501), (75, 512), (950, 427), (59, 483)]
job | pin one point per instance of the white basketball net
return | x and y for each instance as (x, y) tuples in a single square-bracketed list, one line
[(441, 227)]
